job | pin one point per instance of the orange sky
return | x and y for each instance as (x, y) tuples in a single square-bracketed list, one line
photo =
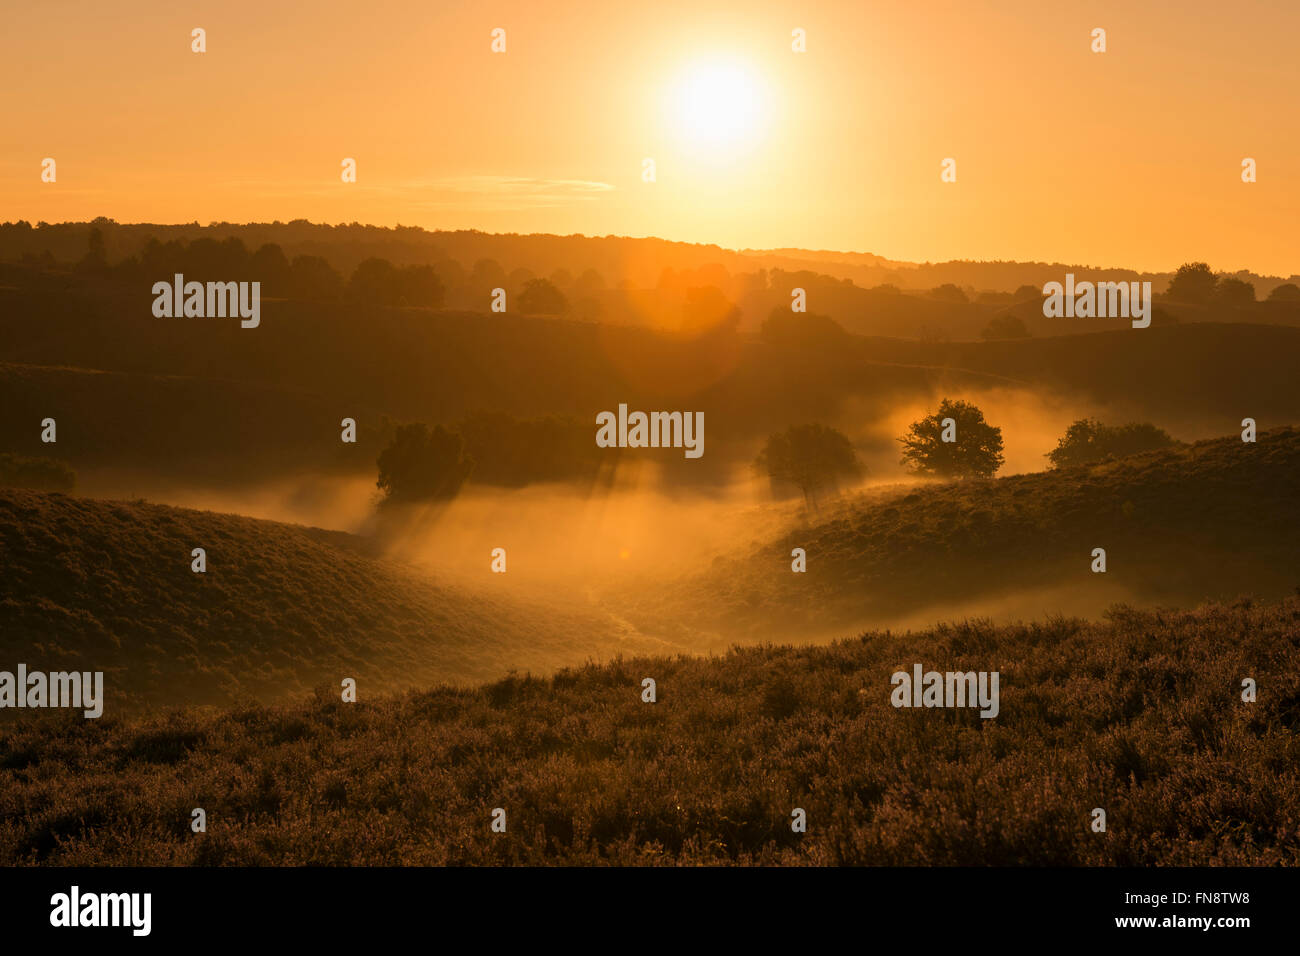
[(1131, 157)]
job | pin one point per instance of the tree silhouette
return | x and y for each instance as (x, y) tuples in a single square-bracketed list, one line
[(1193, 282), (706, 308), (1088, 440), (541, 297), (95, 260), (590, 283), (1004, 326), (810, 457), (206, 259), (374, 281), (786, 329), (1235, 292), (312, 278), (419, 285), (423, 465), (948, 292), (270, 267), (486, 275), (976, 450)]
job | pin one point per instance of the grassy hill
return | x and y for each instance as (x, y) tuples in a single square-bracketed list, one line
[(1139, 714), (1212, 520), (107, 585)]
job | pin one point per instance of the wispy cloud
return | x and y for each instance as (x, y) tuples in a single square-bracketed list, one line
[(506, 192), (486, 193)]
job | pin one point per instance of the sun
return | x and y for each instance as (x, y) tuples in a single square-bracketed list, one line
[(718, 105)]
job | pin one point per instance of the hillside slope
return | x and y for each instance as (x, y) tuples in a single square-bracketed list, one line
[(1139, 715), (1212, 520), (100, 585)]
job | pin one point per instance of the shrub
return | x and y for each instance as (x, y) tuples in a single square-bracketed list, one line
[(1088, 440)]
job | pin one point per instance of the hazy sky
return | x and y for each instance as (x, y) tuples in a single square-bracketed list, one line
[(1130, 157)]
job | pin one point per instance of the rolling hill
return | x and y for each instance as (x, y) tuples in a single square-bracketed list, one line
[(108, 586), (1212, 520), (1138, 712)]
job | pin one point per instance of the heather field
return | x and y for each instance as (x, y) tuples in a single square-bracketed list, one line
[(1139, 714)]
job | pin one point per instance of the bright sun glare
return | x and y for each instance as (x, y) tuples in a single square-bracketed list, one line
[(718, 104)]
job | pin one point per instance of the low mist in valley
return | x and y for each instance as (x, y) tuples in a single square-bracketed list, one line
[(831, 434), (639, 533), (609, 550)]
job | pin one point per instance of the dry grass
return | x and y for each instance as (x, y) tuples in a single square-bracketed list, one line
[(1140, 714)]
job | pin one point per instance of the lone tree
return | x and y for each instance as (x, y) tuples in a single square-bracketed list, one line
[(423, 465), (1088, 440), (1193, 282), (949, 292), (541, 297), (1232, 291), (974, 451), (785, 329), (705, 309), (810, 457), (1005, 326), (94, 261)]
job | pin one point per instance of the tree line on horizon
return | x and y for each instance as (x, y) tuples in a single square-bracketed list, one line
[(375, 280), (955, 442), (686, 294)]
